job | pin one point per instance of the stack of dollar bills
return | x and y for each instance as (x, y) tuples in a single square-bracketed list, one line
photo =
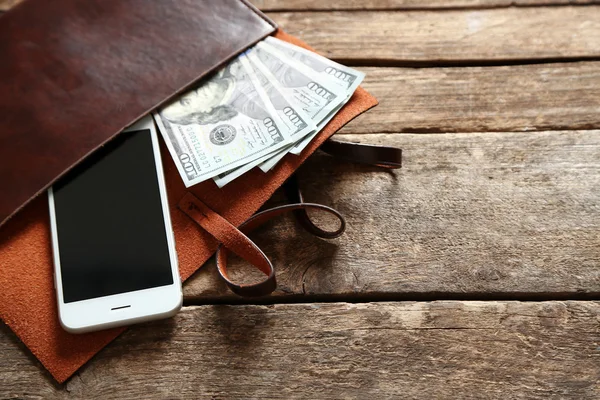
[(270, 101)]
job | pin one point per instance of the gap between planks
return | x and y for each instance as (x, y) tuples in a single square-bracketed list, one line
[(424, 64), (230, 299)]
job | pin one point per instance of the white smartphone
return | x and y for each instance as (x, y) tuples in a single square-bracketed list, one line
[(114, 251)]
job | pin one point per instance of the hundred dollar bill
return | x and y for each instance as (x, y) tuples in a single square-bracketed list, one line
[(301, 145), (346, 77), (221, 125), (297, 122), (316, 96), (270, 162), (296, 148), (225, 178), (283, 72)]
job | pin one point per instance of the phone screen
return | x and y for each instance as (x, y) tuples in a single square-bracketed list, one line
[(110, 223)]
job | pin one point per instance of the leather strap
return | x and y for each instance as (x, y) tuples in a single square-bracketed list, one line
[(294, 195), (235, 239), (381, 156)]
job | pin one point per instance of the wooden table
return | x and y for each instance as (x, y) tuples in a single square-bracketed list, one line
[(473, 272)]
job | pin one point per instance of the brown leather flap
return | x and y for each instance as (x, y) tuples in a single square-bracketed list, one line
[(76, 72)]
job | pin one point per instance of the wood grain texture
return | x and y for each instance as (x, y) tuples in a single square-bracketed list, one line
[(291, 5), (453, 36), (446, 349), (479, 99), (491, 215)]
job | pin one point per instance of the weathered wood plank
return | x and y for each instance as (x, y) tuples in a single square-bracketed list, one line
[(491, 215), (292, 5), (479, 99), (22, 376), (453, 36), (491, 350)]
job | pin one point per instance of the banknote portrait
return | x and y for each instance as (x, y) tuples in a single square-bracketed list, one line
[(219, 99), (206, 104)]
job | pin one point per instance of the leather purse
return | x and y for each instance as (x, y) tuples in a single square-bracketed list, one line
[(75, 73)]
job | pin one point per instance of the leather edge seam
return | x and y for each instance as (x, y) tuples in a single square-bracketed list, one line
[(261, 14)]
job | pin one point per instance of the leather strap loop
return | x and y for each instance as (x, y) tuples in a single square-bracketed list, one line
[(268, 284), (235, 239), (294, 195), (381, 156)]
